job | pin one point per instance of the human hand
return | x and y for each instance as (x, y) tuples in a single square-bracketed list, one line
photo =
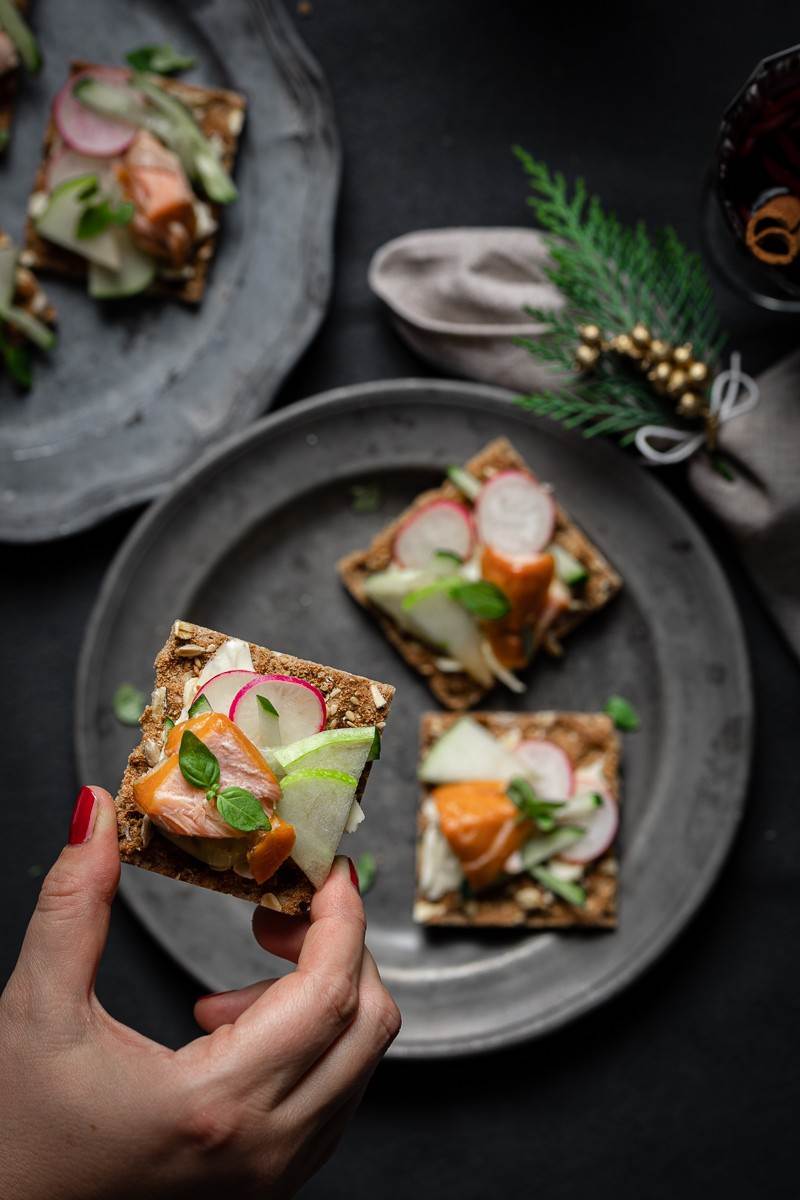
[(91, 1109)]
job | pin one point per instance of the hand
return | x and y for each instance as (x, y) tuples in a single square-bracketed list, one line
[(90, 1109)]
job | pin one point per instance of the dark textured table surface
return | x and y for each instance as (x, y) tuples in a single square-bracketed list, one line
[(687, 1085)]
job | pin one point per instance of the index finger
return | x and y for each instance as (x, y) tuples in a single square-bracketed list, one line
[(286, 1030)]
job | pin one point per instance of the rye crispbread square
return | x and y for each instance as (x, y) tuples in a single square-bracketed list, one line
[(220, 114), (351, 701), (457, 690), (29, 295), (521, 901)]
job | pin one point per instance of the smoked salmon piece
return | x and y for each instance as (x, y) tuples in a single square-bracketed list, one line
[(525, 582), (482, 826), (152, 177), (174, 804), (271, 850)]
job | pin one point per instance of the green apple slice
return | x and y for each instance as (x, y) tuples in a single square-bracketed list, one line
[(468, 751), (388, 589), (344, 750), (59, 222), (443, 623), (136, 272), (317, 802)]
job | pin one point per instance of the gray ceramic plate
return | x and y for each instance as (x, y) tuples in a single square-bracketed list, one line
[(248, 542), (135, 392)]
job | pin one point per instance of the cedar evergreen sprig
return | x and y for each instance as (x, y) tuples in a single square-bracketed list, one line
[(614, 276)]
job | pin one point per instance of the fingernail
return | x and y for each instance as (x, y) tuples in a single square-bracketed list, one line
[(210, 996), (82, 823), (354, 875)]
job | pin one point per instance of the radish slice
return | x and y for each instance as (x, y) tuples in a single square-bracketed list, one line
[(84, 130), (301, 707), (440, 525), (601, 829), (550, 766), (221, 690), (68, 164), (516, 516)]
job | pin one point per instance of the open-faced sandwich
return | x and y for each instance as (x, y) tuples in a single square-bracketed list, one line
[(18, 51), (478, 574), (26, 315), (517, 821), (251, 767), (134, 172)]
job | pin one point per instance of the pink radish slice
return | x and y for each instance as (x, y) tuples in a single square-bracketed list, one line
[(301, 707), (601, 829), (68, 164), (515, 515), (84, 130), (550, 766), (221, 690), (440, 525)]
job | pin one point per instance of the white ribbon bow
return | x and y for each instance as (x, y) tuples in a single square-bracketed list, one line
[(733, 393)]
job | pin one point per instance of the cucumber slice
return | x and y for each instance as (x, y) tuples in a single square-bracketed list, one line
[(136, 272), (318, 804), (59, 222), (14, 24), (34, 330), (468, 751), (569, 569), (466, 483), (8, 275), (345, 750), (537, 850), (573, 893)]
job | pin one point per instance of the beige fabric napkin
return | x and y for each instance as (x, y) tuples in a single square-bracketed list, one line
[(457, 297)]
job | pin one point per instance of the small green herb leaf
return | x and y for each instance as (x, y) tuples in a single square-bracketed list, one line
[(532, 807), (366, 497), (367, 869), (89, 189), (169, 723), (200, 705), (198, 764), (482, 599), (375, 748), (622, 713), (241, 809), (573, 893), (160, 60), (267, 706), (98, 217), (449, 556), (128, 704), (17, 360)]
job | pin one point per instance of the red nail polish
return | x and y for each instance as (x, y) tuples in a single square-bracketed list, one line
[(210, 996), (80, 827), (354, 875)]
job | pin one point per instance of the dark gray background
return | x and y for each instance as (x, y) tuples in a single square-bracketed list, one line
[(686, 1085)]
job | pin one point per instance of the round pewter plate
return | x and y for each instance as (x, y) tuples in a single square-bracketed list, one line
[(247, 543), (135, 390)]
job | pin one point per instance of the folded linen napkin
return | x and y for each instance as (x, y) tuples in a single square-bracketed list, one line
[(457, 297)]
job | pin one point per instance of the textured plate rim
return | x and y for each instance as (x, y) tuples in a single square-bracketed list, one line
[(453, 391)]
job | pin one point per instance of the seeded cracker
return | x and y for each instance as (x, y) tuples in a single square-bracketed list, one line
[(353, 701), (457, 690)]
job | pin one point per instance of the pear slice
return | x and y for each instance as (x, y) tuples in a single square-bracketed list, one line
[(317, 802)]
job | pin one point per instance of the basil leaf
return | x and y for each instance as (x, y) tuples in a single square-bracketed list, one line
[(366, 869), (366, 497), (483, 599), (17, 361), (160, 60), (98, 217), (169, 723), (268, 706), (375, 748), (198, 764), (200, 705), (532, 807), (128, 704), (622, 713), (240, 809)]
